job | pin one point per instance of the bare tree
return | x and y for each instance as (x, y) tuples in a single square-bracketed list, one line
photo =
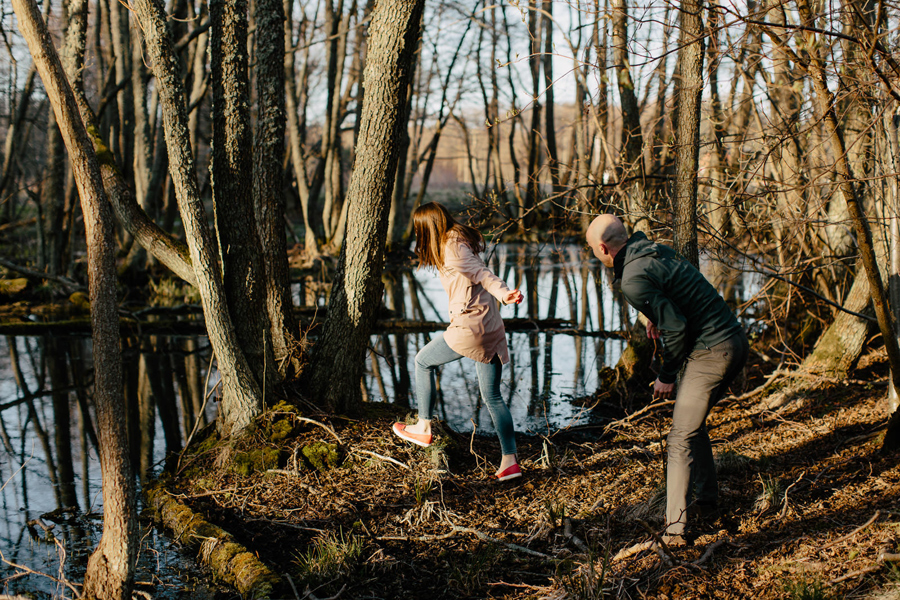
[(242, 398), (110, 571), (340, 352), (690, 90)]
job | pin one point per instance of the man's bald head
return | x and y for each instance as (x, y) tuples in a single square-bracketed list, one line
[(606, 236)]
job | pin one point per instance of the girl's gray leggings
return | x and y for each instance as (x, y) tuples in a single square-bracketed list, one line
[(437, 353)]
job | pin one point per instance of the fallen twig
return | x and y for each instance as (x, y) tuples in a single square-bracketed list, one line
[(486, 538), (889, 557), (851, 575), (384, 458), (659, 546), (311, 596), (64, 281), (709, 551), (25, 569), (567, 530), (416, 538), (322, 425), (852, 533), (637, 414), (306, 487), (784, 503), (632, 550), (293, 587)]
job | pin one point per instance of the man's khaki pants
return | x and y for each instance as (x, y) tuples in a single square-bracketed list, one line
[(704, 380)]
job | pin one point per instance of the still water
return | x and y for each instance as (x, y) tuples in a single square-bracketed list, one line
[(547, 370), (47, 432)]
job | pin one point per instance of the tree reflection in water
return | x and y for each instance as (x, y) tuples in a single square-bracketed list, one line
[(547, 369)]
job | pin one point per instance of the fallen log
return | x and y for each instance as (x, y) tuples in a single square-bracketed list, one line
[(228, 560), (195, 326)]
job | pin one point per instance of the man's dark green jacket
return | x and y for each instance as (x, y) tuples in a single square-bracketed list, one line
[(688, 311)]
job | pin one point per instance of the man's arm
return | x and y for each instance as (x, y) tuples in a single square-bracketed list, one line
[(645, 296)]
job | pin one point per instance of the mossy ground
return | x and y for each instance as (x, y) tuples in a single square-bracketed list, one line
[(360, 522)]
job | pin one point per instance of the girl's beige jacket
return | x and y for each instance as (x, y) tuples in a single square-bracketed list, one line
[(476, 329)]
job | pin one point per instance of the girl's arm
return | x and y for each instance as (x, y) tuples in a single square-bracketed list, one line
[(458, 256)]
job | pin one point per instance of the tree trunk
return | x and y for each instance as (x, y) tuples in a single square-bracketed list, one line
[(241, 400), (600, 111), (268, 181), (549, 100), (240, 250), (690, 89), (14, 135), (631, 153), (339, 354), (532, 169), (891, 125), (336, 53), (295, 137), (110, 570)]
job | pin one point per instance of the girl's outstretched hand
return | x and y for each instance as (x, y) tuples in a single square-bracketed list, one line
[(514, 297)]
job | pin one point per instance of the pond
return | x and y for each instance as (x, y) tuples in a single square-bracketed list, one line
[(48, 460)]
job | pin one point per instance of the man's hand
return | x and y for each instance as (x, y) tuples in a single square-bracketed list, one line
[(663, 391), (514, 297), (652, 331)]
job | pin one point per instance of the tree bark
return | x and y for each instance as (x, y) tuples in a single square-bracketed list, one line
[(550, 100), (241, 400), (532, 170), (268, 181), (240, 250), (110, 571), (690, 89), (339, 355)]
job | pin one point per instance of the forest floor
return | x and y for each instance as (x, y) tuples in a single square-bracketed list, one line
[(346, 510)]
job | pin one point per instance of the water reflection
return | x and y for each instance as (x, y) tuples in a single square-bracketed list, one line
[(547, 369), (51, 497), (551, 372)]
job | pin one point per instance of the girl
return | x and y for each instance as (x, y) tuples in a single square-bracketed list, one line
[(476, 330)]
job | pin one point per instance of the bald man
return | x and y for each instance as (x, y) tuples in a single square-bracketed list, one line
[(700, 335)]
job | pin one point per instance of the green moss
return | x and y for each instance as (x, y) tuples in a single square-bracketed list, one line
[(207, 444), (251, 577), (285, 406), (262, 459), (280, 430), (11, 287), (219, 556), (321, 456)]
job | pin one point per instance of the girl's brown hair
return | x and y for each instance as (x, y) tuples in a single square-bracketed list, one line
[(432, 224)]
